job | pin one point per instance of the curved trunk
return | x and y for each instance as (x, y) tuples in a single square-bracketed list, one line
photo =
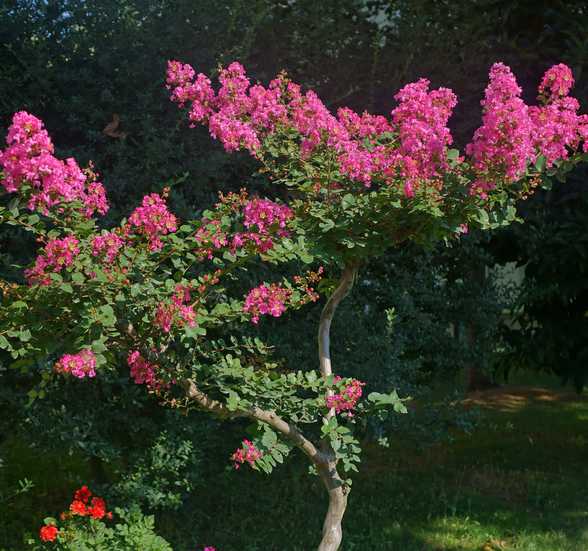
[(332, 528)]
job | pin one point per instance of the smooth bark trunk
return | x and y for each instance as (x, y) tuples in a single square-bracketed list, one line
[(336, 489), (332, 525)]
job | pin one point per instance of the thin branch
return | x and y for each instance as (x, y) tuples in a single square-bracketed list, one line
[(270, 417)]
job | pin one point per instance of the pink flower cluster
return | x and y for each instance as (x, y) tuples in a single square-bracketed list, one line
[(107, 244), (152, 220), (29, 158), (411, 148), (57, 254), (513, 134), (503, 144), (247, 453), (347, 399), (142, 372), (178, 312), (264, 218), (558, 129), (264, 214), (266, 300), (421, 123), (241, 116), (556, 82), (80, 365)]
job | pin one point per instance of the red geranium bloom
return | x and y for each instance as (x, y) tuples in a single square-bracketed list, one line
[(83, 494), (98, 508), (48, 533), (77, 507)]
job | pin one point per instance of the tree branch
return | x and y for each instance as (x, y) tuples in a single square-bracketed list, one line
[(270, 417)]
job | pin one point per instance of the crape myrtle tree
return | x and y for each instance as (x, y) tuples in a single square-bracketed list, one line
[(168, 298)]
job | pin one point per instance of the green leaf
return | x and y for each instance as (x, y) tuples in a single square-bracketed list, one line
[(453, 154), (233, 401), (78, 278), (269, 438), (67, 288), (327, 225), (540, 163), (98, 346)]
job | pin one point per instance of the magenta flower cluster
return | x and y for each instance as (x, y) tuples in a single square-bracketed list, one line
[(80, 365), (263, 214), (108, 245), (152, 220), (178, 312), (142, 372), (247, 453), (264, 219), (29, 159), (347, 398), (557, 127), (241, 116), (503, 144), (56, 255), (266, 300), (412, 146), (513, 135), (556, 82)]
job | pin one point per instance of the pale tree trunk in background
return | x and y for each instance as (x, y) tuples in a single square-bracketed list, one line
[(332, 527)]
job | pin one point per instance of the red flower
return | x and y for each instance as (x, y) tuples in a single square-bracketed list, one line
[(77, 507), (83, 494), (98, 508), (48, 533)]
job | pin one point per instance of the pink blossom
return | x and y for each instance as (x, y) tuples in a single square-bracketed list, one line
[(502, 147), (347, 399), (57, 254), (142, 372), (421, 122), (556, 128), (247, 453), (557, 81), (80, 365), (177, 312), (233, 133), (266, 300), (152, 220), (29, 158), (583, 131), (264, 214), (107, 244)]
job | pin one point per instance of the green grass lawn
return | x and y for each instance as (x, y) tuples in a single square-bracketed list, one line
[(518, 483)]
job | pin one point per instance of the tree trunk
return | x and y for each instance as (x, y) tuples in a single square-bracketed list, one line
[(332, 529)]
